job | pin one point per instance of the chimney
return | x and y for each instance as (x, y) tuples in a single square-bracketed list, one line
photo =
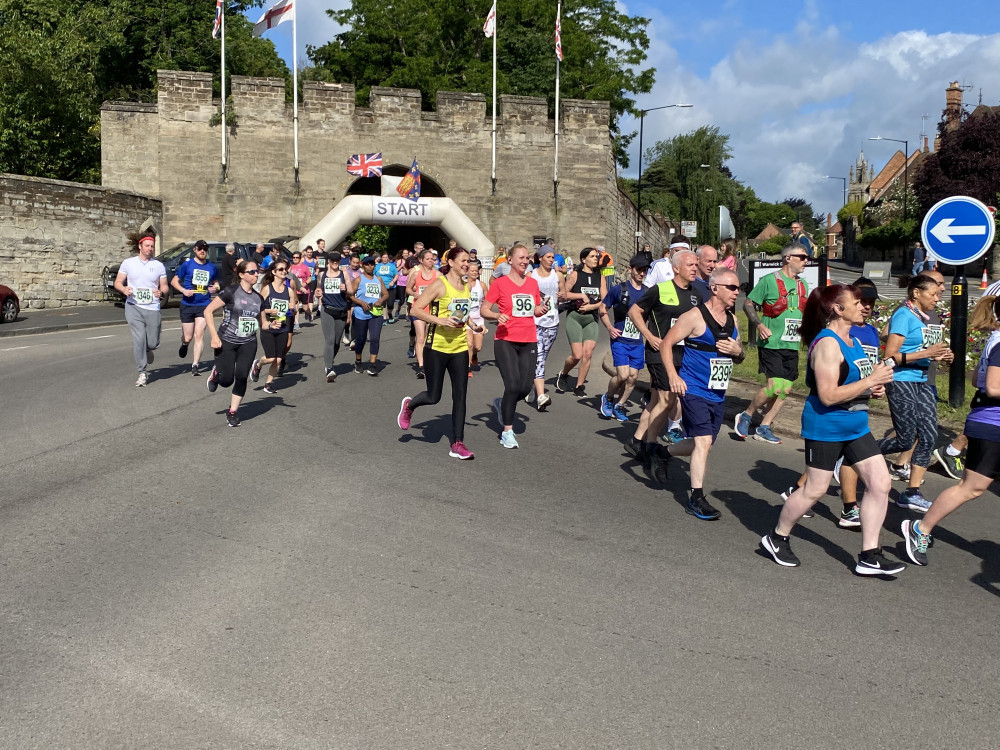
[(926, 148), (953, 106)]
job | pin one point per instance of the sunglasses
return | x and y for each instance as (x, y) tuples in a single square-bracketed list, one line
[(280, 270), (201, 249), (799, 256), (730, 287), (254, 272)]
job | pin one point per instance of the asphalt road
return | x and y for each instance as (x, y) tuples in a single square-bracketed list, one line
[(316, 579)]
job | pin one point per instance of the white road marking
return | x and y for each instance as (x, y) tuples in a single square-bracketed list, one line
[(172, 329), (108, 336), (15, 348)]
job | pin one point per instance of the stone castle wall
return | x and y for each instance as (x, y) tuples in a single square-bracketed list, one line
[(170, 150), (56, 237)]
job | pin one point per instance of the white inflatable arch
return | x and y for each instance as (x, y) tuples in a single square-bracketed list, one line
[(354, 210)]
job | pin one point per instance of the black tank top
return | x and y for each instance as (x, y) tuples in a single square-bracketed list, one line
[(279, 300), (588, 283)]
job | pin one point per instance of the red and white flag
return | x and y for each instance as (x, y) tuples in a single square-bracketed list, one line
[(490, 27), (559, 34), (280, 12), (218, 19)]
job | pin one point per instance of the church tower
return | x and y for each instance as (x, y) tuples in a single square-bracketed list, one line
[(861, 176)]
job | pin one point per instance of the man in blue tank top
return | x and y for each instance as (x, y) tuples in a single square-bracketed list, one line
[(711, 348), (627, 346)]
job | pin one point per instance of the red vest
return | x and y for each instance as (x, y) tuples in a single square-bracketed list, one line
[(774, 309)]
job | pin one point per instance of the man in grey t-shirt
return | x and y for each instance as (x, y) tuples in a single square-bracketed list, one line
[(143, 281)]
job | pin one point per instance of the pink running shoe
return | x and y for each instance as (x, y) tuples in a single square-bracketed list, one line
[(405, 413), (458, 450)]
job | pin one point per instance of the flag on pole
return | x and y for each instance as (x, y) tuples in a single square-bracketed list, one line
[(409, 186), (218, 19), (279, 12), (490, 27), (559, 35), (365, 165)]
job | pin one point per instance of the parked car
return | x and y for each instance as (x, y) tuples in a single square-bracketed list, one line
[(10, 305), (172, 259)]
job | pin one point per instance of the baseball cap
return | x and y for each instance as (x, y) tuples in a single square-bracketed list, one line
[(867, 288), (640, 260), (333, 257), (368, 259), (200, 244)]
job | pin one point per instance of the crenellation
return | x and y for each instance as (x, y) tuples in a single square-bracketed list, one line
[(320, 99), (393, 103), (461, 107), (524, 111), (259, 98)]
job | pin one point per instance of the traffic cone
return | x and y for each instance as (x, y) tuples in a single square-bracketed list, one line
[(986, 280)]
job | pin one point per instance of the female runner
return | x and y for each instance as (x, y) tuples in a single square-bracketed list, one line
[(586, 287), (421, 277), (552, 288), (477, 326), (279, 296)]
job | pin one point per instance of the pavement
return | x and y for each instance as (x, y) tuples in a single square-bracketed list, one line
[(52, 319), (317, 578)]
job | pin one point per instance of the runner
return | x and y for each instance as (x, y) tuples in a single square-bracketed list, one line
[(411, 352), (309, 287), (385, 269), (303, 273), (552, 287), (517, 301), (476, 329), (913, 343), (421, 277), (368, 295), (982, 427), (662, 269), (841, 379), (353, 273), (333, 287), (294, 285), (235, 342), (781, 296), (195, 279), (399, 293), (627, 346), (586, 287), (445, 306), (142, 280), (282, 300), (711, 347)]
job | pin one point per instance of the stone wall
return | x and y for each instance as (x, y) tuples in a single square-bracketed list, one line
[(56, 237), (171, 150)]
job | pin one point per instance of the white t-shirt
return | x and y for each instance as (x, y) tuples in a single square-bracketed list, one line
[(143, 277), (661, 270), (549, 287)]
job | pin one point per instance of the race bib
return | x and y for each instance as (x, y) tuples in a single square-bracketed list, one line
[(281, 305), (142, 295), (522, 305), (630, 331), (420, 289), (933, 335), (871, 352), (590, 291), (791, 333), (673, 322), (321, 262), (864, 366), (200, 277), (246, 326), (459, 309), (719, 371), (373, 290), (331, 286)]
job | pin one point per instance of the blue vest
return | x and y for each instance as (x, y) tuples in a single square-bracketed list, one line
[(702, 365), (840, 422)]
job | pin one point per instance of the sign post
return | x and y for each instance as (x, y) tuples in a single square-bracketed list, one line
[(956, 231)]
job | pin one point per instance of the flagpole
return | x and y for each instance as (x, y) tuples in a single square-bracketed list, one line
[(555, 169), (223, 31), (493, 186), (295, 88)]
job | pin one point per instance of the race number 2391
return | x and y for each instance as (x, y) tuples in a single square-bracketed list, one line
[(720, 369)]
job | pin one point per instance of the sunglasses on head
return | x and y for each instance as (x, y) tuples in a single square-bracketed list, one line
[(730, 287)]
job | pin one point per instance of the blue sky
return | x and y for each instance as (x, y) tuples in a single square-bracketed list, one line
[(798, 86)]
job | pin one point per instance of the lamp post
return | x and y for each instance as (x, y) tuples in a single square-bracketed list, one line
[(638, 200), (906, 167), (842, 179)]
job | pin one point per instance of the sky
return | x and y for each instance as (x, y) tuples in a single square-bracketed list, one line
[(799, 87)]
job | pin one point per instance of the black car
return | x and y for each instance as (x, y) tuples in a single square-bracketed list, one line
[(172, 259)]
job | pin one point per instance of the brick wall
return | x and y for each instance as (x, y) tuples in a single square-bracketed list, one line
[(56, 237)]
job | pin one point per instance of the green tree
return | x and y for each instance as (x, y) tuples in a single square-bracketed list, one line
[(438, 45)]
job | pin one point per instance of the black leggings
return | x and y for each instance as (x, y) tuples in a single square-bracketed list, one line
[(361, 330), (516, 362), (232, 365), (457, 366)]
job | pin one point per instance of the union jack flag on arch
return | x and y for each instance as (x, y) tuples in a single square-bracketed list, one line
[(365, 165)]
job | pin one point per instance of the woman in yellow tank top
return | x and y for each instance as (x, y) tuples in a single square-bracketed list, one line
[(444, 307)]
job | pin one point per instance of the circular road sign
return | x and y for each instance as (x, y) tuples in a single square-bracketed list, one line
[(958, 230)]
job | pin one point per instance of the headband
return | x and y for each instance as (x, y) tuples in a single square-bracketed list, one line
[(680, 244)]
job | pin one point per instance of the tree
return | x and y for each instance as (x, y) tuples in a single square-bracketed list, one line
[(438, 45)]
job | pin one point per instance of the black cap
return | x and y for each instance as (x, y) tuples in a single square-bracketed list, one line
[(866, 287), (333, 257), (200, 244), (641, 260), (368, 259)]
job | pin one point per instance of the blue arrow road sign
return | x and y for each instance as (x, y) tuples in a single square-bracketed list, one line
[(958, 230)]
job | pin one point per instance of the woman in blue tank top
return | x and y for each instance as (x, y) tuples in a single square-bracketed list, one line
[(841, 379)]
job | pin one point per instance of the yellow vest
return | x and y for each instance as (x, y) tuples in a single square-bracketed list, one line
[(454, 303)]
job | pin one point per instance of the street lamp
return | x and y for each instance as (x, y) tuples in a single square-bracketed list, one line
[(906, 167), (842, 179), (638, 200)]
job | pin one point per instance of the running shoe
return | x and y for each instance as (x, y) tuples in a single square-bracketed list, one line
[(281, 369), (849, 519), (390, 321), (952, 465), (872, 562), (607, 410), (475, 364), (411, 353), (619, 413), (141, 381), (350, 345), (579, 391), (633, 447), (916, 543), (780, 549), (788, 493), (371, 369), (742, 425), (330, 375), (195, 369), (675, 435), (458, 450), (543, 402), (420, 373), (655, 468), (232, 419), (836, 469), (149, 356), (358, 368), (764, 433), (405, 414), (498, 408), (699, 507), (913, 499), (182, 350), (900, 472), (255, 371), (507, 439), (344, 341), (211, 382), (562, 382), (297, 328), (530, 398), (270, 389)]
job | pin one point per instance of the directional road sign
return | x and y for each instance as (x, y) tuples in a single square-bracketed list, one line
[(958, 230)]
